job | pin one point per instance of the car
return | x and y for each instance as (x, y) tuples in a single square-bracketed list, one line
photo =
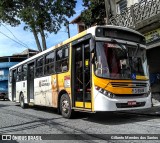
[(3, 95)]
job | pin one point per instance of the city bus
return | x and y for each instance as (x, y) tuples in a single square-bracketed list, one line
[(103, 68)]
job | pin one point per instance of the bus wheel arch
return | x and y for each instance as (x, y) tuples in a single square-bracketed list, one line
[(59, 98), (64, 105)]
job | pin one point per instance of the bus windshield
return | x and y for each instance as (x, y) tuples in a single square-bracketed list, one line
[(119, 61)]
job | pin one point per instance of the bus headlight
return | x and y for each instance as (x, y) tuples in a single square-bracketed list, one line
[(147, 94), (105, 92)]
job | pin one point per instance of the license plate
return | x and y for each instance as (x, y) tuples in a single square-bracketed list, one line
[(138, 90), (131, 103)]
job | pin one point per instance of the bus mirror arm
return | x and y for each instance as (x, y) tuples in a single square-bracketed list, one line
[(93, 58), (137, 49), (92, 45)]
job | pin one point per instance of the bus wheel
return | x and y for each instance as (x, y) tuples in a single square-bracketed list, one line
[(22, 104), (65, 106)]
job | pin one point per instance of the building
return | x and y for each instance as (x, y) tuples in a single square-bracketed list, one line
[(8, 61), (120, 6)]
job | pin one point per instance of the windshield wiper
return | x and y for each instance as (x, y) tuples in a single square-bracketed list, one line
[(137, 49), (115, 41)]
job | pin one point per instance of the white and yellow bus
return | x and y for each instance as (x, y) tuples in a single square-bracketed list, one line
[(101, 69)]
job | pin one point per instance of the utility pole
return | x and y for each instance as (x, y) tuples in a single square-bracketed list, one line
[(68, 30)]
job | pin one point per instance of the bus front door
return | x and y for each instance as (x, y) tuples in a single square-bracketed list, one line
[(81, 76), (30, 83)]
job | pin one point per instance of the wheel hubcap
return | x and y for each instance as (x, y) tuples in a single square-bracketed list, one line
[(65, 106)]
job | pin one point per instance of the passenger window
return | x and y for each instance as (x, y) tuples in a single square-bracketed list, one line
[(59, 55), (24, 72), (62, 59), (49, 64), (39, 67), (19, 74)]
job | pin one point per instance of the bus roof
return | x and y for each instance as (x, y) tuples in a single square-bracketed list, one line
[(52, 48), (90, 30)]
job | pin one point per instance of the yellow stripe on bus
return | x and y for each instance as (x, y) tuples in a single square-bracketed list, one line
[(80, 104)]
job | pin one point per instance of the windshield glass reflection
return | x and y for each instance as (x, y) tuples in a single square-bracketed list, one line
[(119, 61)]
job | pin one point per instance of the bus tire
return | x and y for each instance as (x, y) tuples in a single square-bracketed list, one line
[(22, 104), (65, 106)]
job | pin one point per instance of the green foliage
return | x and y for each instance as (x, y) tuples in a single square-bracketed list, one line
[(94, 12), (46, 14), (40, 16), (8, 12)]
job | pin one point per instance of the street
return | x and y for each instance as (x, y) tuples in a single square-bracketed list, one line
[(40, 120)]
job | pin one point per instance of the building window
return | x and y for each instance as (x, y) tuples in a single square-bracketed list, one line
[(121, 6)]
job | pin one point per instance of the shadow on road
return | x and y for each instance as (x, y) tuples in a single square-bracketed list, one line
[(37, 122), (8, 141), (106, 118), (116, 118), (78, 115), (3, 103), (110, 118), (43, 108)]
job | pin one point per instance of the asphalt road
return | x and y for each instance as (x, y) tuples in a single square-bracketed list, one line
[(89, 127)]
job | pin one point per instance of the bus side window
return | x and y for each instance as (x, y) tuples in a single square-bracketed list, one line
[(49, 63), (62, 60), (65, 63), (39, 67), (24, 72), (19, 74)]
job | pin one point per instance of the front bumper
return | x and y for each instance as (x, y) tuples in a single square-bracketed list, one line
[(104, 103)]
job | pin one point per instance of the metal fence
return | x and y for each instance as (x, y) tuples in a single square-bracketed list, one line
[(136, 13)]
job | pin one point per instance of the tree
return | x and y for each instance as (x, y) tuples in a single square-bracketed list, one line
[(45, 15), (94, 12), (42, 16), (8, 12), (98, 11)]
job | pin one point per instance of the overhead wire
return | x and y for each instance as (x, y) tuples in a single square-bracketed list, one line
[(15, 36), (13, 40)]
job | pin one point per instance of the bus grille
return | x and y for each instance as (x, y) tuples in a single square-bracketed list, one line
[(129, 95), (125, 105), (128, 84)]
